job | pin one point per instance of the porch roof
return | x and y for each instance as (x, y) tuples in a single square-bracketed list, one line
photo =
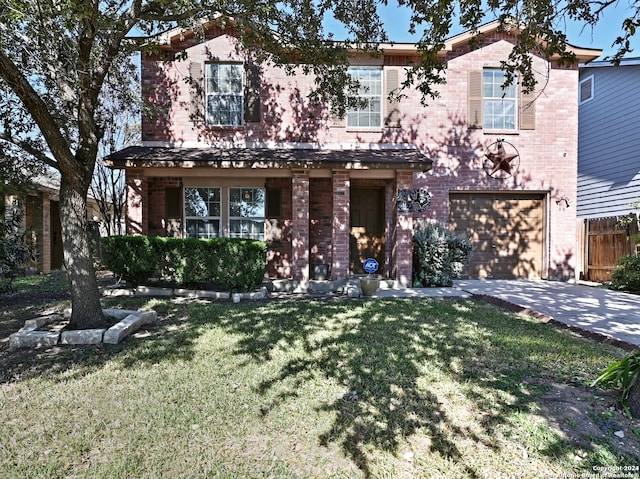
[(267, 158)]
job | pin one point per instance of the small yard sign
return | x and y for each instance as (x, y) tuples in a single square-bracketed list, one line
[(370, 265)]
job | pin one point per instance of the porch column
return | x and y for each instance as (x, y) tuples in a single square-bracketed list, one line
[(137, 207), (300, 227), (45, 258), (403, 247), (340, 236)]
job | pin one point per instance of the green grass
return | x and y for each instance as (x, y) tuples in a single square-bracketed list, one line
[(380, 388)]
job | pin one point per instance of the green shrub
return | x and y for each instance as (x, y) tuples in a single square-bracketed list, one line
[(15, 252), (439, 255), (225, 263), (131, 257), (626, 275), (623, 374)]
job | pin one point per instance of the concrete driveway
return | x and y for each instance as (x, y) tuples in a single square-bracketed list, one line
[(608, 314)]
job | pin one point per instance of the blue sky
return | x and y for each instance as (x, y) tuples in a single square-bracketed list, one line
[(601, 37)]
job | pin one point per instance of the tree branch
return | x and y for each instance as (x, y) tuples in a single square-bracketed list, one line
[(28, 148), (39, 112)]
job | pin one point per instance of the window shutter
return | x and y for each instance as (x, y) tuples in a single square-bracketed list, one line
[(173, 211), (196, 90), (474, 99), (251, 93), (392, 106), (527, 110)]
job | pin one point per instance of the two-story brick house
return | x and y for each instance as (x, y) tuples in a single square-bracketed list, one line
[(234, 148)]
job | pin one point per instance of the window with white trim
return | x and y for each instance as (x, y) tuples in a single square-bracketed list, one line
[(225, 93), (202, 212), (369, 112), (499, 105), (586, 89), (247, 213)]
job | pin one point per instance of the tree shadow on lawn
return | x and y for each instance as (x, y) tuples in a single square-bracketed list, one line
[(389, 355)]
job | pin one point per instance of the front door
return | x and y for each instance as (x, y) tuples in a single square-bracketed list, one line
[(367, 228)]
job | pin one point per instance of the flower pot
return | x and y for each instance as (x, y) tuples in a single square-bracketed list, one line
[(235, 297), (369, 286)]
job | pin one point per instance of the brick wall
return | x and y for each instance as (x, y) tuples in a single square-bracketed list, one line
[(548, 154)]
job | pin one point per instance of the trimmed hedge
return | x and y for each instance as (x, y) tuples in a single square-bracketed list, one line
[(223, 263)]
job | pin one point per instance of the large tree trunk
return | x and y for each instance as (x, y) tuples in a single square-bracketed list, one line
[(85, 296)]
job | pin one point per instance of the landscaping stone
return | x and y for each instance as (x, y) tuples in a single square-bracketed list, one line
[(33, 339), (119, 314), (201, 293), (41, 321), (116, 292), (154, 291), (129, 321), (124, 328), (82, 336)]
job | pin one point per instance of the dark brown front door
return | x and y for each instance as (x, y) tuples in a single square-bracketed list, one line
[(367, 227), (56, 236)]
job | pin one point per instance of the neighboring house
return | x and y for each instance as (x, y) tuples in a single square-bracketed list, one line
[(608, 160), (40, 212), (233, 148)]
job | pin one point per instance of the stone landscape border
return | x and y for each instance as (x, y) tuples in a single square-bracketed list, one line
[(31, 335)]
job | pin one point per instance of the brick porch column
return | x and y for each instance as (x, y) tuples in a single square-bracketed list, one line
[(300, 227), (340, 236), (137, 207), (45, 258), (403, 247)]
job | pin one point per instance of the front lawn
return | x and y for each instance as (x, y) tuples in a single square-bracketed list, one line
[(398, 388)]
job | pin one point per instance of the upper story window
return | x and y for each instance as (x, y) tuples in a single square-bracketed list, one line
[(225, 94), (499, 104), (369, 112), (586, 89), (202, 212), (495, 108)]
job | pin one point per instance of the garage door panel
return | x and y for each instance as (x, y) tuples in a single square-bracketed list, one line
[(506, 229)]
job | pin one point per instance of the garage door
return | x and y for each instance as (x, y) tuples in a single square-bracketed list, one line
[(507, 232)]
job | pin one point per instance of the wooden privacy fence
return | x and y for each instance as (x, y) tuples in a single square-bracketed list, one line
[(607, 240)]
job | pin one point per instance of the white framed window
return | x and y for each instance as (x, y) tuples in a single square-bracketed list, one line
[(202, 207), (247, 213), (586, 90), (225, 93), (369, 113), (499, 105)]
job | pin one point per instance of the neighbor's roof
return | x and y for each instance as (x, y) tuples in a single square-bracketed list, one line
[(267, 158)]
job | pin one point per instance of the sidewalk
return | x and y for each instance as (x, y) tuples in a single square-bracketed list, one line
[(610, 314)]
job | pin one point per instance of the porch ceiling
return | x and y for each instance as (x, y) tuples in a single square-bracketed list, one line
[(267, 158)]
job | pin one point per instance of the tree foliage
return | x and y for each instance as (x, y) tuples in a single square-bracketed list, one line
[(59, 58)]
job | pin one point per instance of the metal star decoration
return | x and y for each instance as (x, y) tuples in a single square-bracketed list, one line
[(499, 163)]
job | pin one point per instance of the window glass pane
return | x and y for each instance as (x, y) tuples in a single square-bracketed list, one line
[(499, 105), (225, 94), (202, 212), (369, 114), (246, 212)]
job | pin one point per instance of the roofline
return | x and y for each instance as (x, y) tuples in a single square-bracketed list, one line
[(634, 61), (407, 48)]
